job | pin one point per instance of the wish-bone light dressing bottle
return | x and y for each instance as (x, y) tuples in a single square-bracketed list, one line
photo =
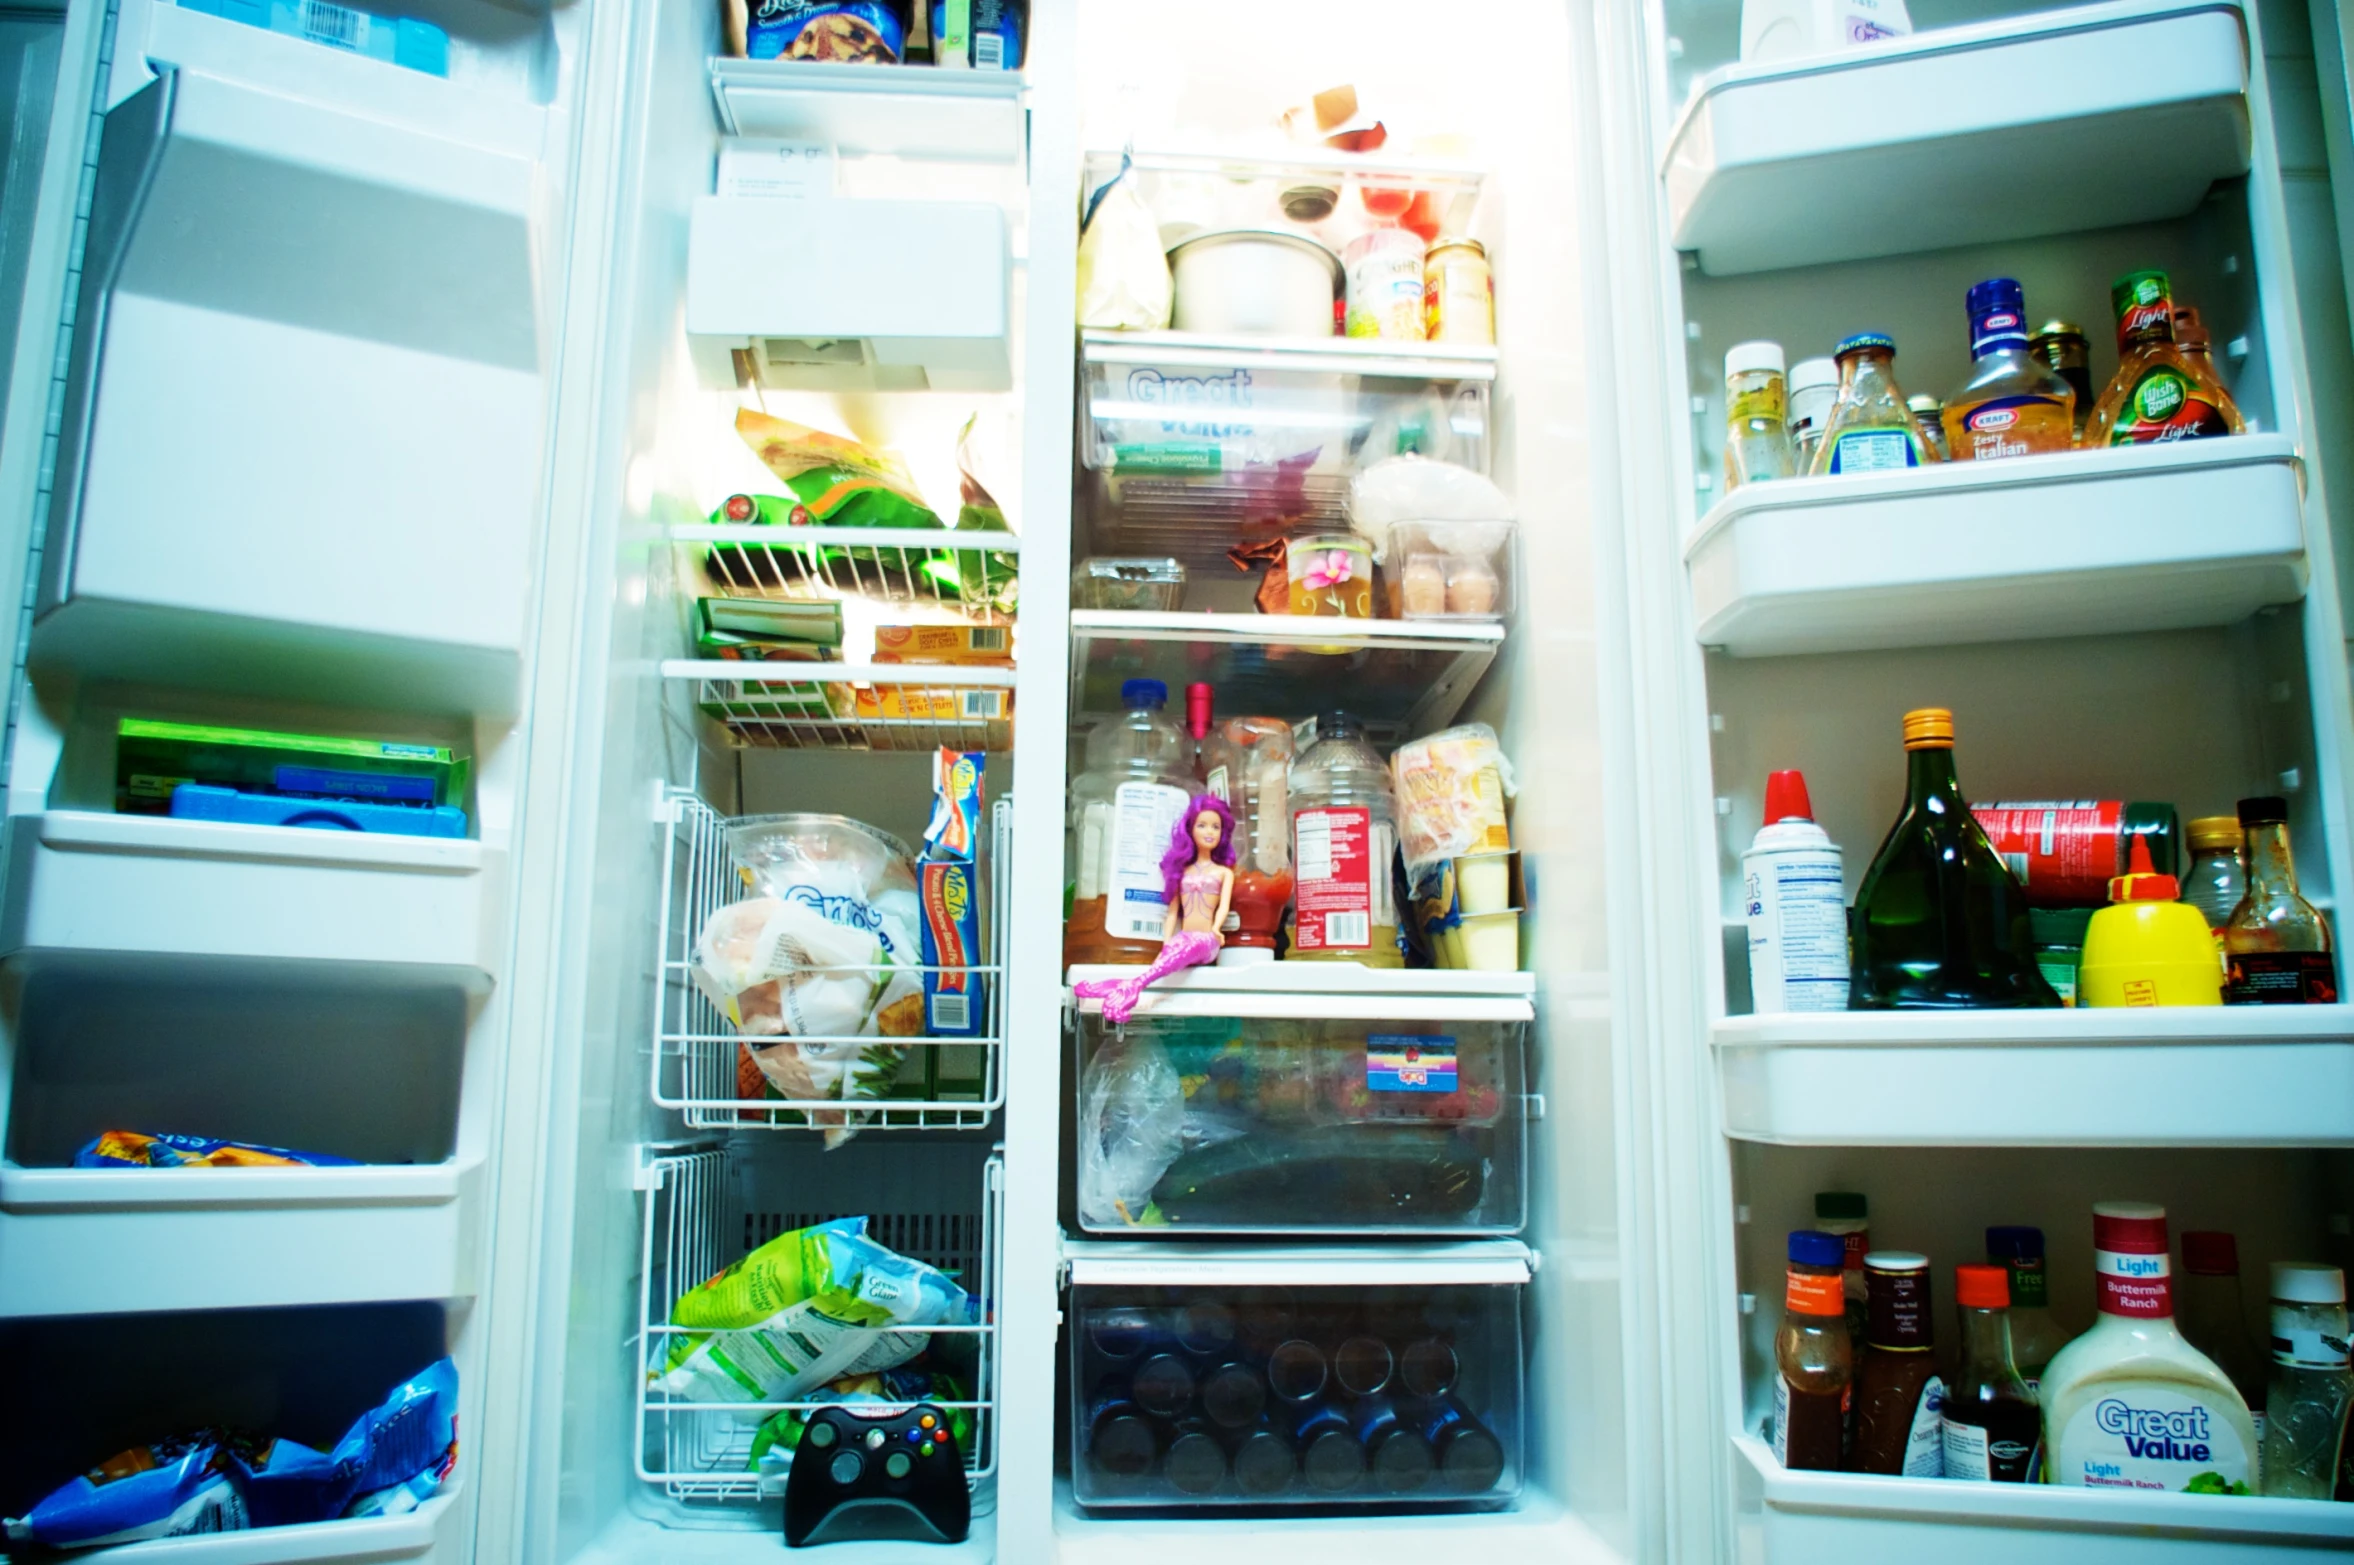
[(2131, 1404)]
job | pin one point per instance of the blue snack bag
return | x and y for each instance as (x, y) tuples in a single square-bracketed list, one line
[(414, 1432), (865, 31), (162, 1149), (163, 1490)]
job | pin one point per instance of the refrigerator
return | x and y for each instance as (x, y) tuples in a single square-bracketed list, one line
[(441, 454)]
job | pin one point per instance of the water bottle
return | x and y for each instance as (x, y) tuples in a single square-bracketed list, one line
[(2305, 1408)]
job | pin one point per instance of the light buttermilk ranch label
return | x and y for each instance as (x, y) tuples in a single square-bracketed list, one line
[(2133, 1284), (1143, 815), (2152, 1437), (1797, 908)]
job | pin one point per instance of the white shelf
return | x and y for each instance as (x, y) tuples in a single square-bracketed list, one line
[(1268, 979), (235, 1238), (1122, 1263), (1814, 1516), (1534, 1529), (1963, 135), (1351, 993), (2077, 543), (2196, 1076), (90, 881), (909, 111), (434, 1530), (1368, 356), (1401, 677)]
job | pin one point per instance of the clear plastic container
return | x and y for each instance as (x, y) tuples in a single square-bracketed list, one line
[(1118, 582), (1344, 838), (1449, 570), (1271, 1398), (1136, 782)]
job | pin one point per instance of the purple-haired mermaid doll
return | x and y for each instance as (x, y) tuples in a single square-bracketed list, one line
[(1197, 881)]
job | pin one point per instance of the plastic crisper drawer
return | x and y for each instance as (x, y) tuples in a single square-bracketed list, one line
[(1270, 1125), (1266, 1398)]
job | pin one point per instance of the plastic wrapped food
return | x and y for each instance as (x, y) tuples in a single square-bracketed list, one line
[(1451, 789), (140, 1149), (808, 1307), (1418, 489), (890, 1389), (1131, 1128), (1124, 282), (870, 32)]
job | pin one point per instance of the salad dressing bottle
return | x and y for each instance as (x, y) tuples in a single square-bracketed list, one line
[(2156, 395), (1869, 428), (1813, 1359)]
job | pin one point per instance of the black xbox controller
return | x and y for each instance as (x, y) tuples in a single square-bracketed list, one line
[(892, 1475)]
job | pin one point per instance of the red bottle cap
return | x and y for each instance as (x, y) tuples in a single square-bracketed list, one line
[(2129, 1228), (1197, 710), (2210, 1255), (1786, 798), (2141, 881), (1982, 1287)]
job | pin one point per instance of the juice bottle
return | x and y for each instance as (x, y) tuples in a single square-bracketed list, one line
[(2155, 396), (1757, 412), (1813, 1359), (2131, 1404), (1869, 429), (1344, 835), (2276, 947), (2013, 404), (1993, 1425)]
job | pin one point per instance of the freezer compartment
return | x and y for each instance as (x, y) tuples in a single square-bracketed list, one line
[(1277, 1397), (877, 573), (938, 1201), (950, 1076), (1411, 1119)]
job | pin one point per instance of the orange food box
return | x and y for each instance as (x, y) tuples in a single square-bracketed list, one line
[(989, 646)]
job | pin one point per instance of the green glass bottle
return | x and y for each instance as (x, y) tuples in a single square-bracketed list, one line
[(1940, 922)]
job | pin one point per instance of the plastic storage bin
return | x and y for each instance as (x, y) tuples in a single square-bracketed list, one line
[(1272, 1397), (1264, 1125)]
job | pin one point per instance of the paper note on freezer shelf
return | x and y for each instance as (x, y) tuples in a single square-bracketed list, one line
[(765, 168)]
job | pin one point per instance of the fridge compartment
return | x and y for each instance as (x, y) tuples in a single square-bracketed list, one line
[(1197, 518), (1270, 1381), (929, 570), (1258, 414), (856, 706), (2077, 543), (1398, 1116), (941, 1202), (914, 112), (700, 1068), (1997, 130)]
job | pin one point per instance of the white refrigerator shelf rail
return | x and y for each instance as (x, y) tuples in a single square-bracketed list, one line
[(2181, 1076), (854, 706), (908, 111), (2076, 543), (1376, 1007), (1266, 979), (236, 1238), (434, 1531), (1999, 130), (1126, 1263), (1379, 358)]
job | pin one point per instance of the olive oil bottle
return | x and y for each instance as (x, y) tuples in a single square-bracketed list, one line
[(1940, 922)]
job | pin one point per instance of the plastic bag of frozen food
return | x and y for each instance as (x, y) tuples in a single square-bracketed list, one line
[(1131, 1128), (161, 1490), (1451, 788), (406, 1443), (805, 1308), (1124, 282), (139, 1149)]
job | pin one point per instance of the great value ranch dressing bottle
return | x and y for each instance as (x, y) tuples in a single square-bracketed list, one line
[(2130, 1404)]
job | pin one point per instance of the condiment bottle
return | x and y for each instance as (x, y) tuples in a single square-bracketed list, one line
[(1929, 418), (1814, 386), (2059, 946), (2198, 349), (2276, 947), (1757, 414), (1848, 1214), (2131, 1403), (2036, 1335), (2216, 882), (1899, 1401), (1993, 1425), (1869, 429), (1940, 922), (2312, 1382), (1199, 699), (1814, 1361), (2214, 1318), (2013, 403), (2145, 948), (1795, 893), (2063, 345), (2155, 395)]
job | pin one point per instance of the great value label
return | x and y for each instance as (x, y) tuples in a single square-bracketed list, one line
[(2152, 1437), (1340, 859)]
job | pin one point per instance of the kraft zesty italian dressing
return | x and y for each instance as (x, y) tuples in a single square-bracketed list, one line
[(2131, 1404)]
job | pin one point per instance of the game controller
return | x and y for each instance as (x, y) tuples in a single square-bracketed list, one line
[(877, 1475)]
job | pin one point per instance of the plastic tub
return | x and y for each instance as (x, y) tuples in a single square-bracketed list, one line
[(1254, 282), (1483, 883), (1489, 942), (1449, 570)]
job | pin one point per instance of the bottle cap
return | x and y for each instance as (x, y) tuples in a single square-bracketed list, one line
[(2129, 1228), (1809, 374), (2014, 1242), (1841, 1206), (1922, 402), (2141, 882), (2266, 810), (1746, 358), (1896, 1261), (1982, 1287), (2060, 328), (2304, 1282), (1928, 728), (1197, 710), (2207, 1254), (1998, 314), (1809, 1248), (1863, 340), (2189, 330), (2209, 832), (1786, 800), (1136, 693)]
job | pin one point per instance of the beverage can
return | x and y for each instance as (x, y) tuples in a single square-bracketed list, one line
[(2064, 852), (1385, 286), (1458, 293)]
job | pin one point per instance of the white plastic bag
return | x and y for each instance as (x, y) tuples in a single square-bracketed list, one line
[(1131, 1128), (1417, 489), (1124, 282)]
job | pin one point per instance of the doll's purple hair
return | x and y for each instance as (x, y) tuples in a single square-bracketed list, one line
[(1180, 852)]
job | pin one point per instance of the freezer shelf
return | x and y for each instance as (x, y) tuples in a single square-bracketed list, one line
[(904, 111), (704, 1210), (2185, 1076), (1814, 1516), (433, 1531), (698, 1059), (2000, 130), (2077, 543), (931, 569)]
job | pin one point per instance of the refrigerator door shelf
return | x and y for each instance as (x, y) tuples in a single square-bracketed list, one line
[(1962, 135), (90, 881), (855, 706), (2073, 544), (434, 1531), (1811, 1516), (223, 1238), (1282, 981), (924, 569), (961, 116), (2242, 1076)]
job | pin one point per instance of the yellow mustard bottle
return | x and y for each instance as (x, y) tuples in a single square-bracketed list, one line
[(2145, 948)]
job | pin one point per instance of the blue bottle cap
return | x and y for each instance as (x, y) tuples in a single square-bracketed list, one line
[(2014, 1244), (1998, 315), (1143, 692), (1864, 339), (1810, 1248)]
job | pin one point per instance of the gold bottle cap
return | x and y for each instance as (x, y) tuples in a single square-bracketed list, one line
[(1928, 728), (2060, 328), (2213, 831)]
